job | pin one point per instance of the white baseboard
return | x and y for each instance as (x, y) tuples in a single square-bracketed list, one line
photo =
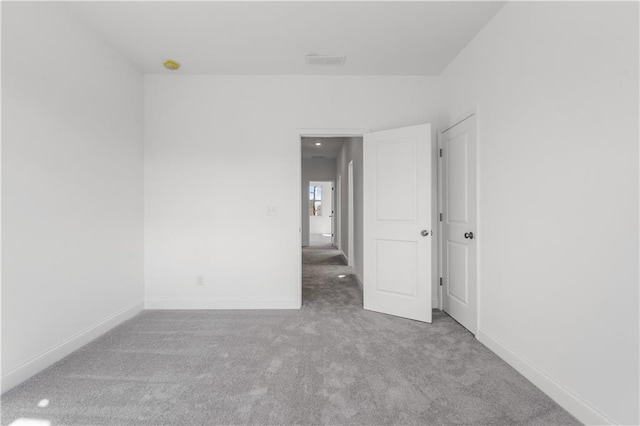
[(358, 280), (64, 348), (568, 400), (220, 304), (344, 256)]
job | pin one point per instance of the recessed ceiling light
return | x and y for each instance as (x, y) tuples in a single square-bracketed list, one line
[(341, 276), (170, 64), (318, 143)]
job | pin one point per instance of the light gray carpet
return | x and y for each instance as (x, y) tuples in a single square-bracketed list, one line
[(329, 363)]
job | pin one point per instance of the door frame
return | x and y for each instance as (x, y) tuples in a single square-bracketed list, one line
[(299, 134), (337, 214), (475, 114), (350, 215)]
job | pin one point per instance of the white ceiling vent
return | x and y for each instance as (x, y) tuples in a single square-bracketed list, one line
[(325, 60)]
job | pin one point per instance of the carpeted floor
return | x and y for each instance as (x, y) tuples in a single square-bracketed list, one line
[(329, 363)]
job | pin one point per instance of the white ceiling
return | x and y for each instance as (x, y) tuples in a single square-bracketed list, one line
[(378, 38), (330, 148)]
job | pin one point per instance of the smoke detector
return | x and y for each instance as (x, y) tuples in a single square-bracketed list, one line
[(326, 60), (170, 64)]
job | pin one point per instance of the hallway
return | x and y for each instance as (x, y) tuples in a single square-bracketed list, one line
[(329, 363)]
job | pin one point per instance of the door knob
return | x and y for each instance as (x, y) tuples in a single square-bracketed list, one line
[(424, 233), (468, 235)]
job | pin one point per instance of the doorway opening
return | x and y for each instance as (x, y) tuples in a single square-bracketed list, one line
[(331, 188)]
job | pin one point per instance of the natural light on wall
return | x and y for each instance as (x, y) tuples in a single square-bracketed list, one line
[(315, 200)]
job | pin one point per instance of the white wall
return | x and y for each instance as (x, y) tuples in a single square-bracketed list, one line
[(72, 123), (322, 224), (313, 168), (352, 151), (209, 139), (556, 86)]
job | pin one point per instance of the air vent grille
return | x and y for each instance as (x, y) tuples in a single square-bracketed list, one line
[(325, 60)]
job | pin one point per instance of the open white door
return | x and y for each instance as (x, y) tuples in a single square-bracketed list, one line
[(397, 222)]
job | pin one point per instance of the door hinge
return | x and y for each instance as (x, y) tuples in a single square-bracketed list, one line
[(440, 280), (440, 217), (440, 152)]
